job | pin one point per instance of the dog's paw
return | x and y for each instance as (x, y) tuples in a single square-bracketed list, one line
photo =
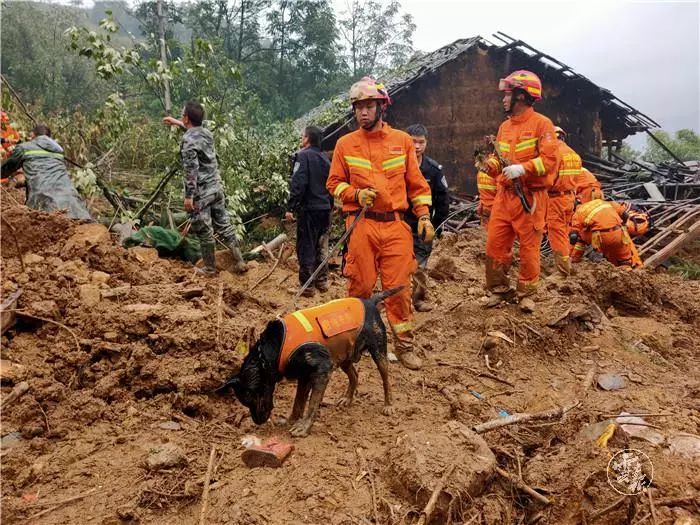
[(388, 410), (344, 402), (301, 428)]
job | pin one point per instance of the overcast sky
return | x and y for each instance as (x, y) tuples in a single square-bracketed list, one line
[(646, 53)]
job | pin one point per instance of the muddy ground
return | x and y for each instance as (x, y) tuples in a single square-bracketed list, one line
[(120, 349)]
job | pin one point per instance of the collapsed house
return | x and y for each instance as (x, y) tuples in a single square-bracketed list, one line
[(453, 92)]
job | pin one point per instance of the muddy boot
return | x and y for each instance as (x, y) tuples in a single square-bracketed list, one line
[(497, 280), (405, 348), (563, 264), (309, 292), (420, 291), (527, 289), (239, 265), (322, 286), (209, 259)]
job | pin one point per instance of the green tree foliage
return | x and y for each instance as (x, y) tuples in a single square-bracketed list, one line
[(628, 153), (376, 36), (684, 143), (36, 61)]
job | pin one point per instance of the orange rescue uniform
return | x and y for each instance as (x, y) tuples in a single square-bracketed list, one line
[(599, 224), (487, 194), (381, 243), (561, 206), (528, 139), (334, 324), (10, 139), (587, 187)]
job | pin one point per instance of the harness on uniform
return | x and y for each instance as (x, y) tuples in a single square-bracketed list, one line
[(334, 324)]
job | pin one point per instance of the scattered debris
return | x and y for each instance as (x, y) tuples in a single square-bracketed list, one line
[(270, 453), (611, 381), (165, 457), (527, 305), (685, 445)]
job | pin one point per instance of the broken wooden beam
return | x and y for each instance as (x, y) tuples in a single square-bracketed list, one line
[(674, 246)]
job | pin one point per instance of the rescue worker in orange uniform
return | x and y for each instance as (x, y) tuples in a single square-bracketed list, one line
[(376, 168), (587, 187), (8, 140), (601, 224), (561, 203), (486, 184), (528, 146)]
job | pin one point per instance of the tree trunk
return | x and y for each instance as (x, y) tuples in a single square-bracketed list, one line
[(163, 55), (240, 32)]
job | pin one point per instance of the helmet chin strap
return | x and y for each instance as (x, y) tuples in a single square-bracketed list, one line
[(378, 116)]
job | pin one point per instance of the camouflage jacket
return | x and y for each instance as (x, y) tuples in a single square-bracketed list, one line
[(199, 163), (49, 186)]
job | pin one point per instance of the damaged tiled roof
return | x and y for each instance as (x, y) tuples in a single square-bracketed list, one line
[(334, 114)]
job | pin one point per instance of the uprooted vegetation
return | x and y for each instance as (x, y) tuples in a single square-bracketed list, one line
[(120, 351)]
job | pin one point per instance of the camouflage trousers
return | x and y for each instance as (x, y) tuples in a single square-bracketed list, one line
[(211, 217)]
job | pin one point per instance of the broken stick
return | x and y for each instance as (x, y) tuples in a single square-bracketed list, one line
[(18, 391), (523, 417), (205, 491), (523, 486), (430, 506)]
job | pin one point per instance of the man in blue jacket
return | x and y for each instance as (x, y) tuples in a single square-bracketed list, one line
[(310, 201)]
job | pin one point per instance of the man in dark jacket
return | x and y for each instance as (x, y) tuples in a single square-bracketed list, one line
[(49, 186), (310, 201), (204, 191), (432, 171)]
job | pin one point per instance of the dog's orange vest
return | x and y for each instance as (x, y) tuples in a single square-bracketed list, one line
[(332, 324)]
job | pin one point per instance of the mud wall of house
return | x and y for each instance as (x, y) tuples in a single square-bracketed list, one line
[(460, 103)]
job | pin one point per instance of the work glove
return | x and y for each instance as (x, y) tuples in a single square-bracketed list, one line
[(426, 230), (514, 171), (366, 197)]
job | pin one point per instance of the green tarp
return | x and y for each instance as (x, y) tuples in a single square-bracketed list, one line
[(169, 243)]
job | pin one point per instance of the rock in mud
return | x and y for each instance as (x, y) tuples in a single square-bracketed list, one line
[(611, 382), (418, 460), (11, 373), (165, 457), (527, 306), (90, 294)]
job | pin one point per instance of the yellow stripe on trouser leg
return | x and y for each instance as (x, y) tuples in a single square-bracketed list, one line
[(400, 328)]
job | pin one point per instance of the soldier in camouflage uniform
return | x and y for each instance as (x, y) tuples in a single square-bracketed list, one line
[(204, 194), (49, 186)]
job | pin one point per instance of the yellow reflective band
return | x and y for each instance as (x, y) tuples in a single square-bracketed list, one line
[(303, 320), (486, 186), (43, 153), (539, 165), (400, 328), (594, 211), (526, 144), (534, 90), (358, 162), (569, 173), (579, 247), (393, 163), (422, 199), (504, 146), (340, 188)]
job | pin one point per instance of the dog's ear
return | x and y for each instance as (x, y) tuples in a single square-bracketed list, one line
[(234, 382)]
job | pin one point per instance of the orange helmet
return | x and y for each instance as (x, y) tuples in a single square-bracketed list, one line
[(637, 223), (368, 89), (522, 79)]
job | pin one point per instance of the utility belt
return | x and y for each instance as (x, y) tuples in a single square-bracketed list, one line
[(560, 193), (526, 189), (380, 216)]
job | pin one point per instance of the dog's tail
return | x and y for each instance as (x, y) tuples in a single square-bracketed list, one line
[(379, 297)]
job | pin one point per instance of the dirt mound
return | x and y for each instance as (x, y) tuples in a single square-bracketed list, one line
[(121, 351), (452, 460)]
